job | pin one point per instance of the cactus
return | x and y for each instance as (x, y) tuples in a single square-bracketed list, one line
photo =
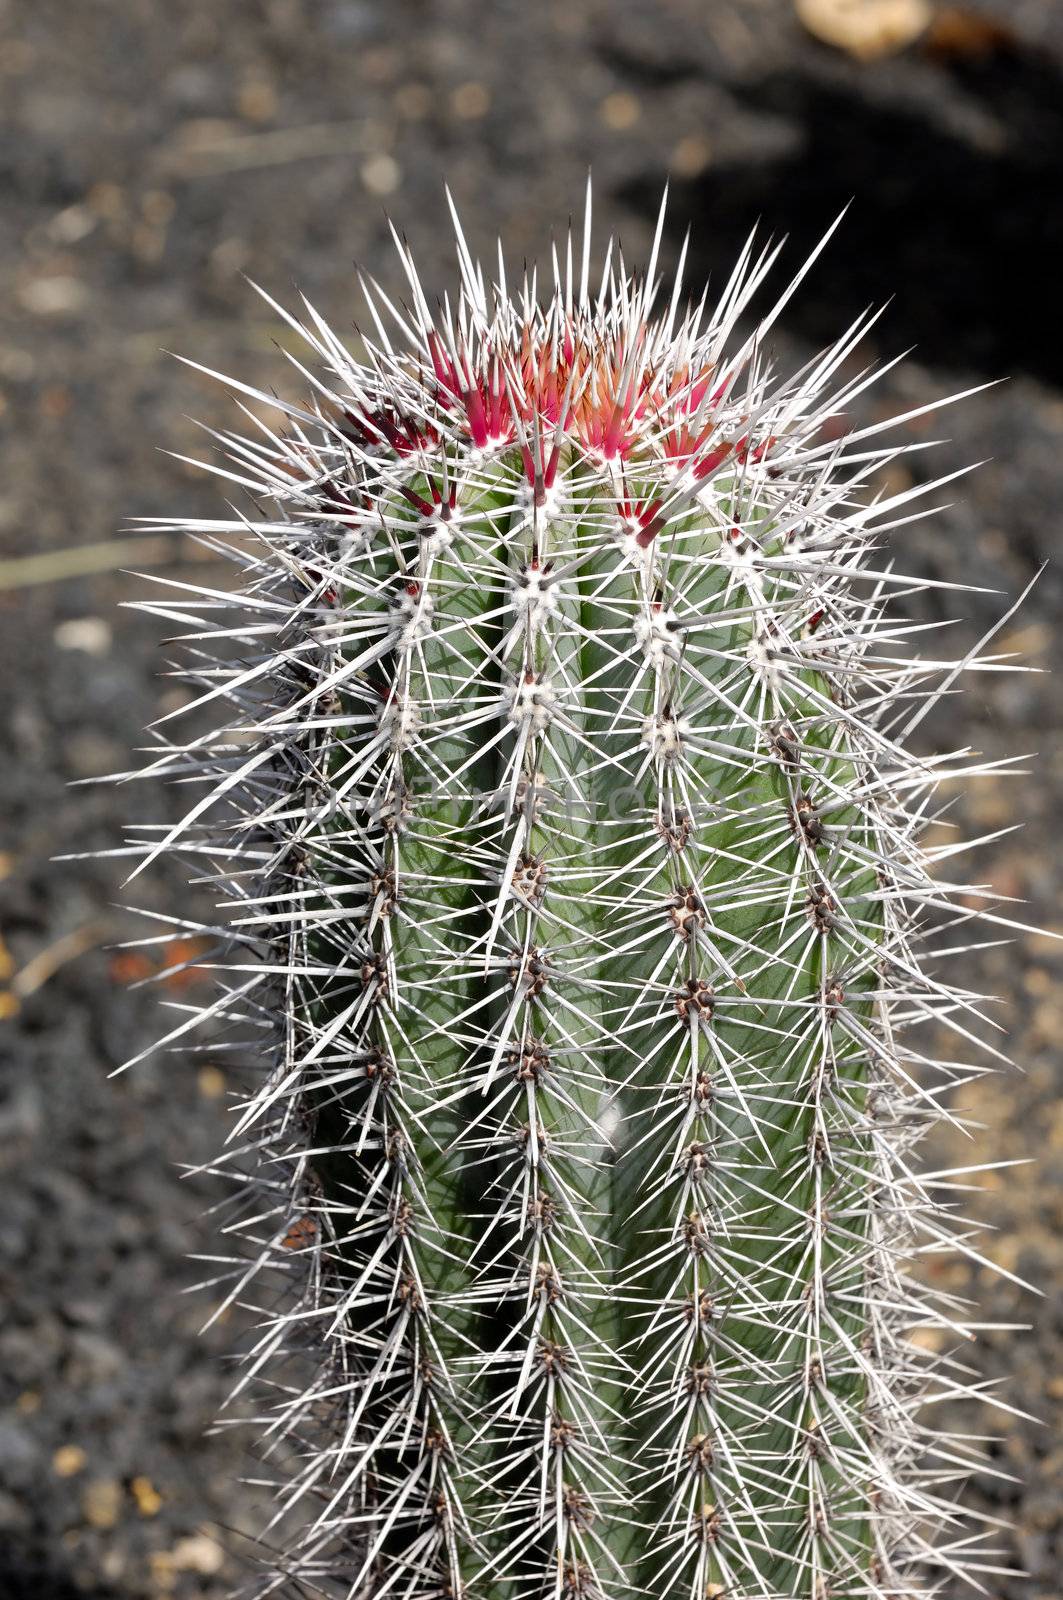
[(565, 837)]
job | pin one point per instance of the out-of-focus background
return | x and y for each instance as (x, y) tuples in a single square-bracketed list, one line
[(150, 155)]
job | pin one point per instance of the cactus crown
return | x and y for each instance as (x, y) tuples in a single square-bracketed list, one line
[(567, 850)]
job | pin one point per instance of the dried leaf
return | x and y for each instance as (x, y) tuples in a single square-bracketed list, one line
[(178, 968), (175, 967), (959, 35), (129, 966)]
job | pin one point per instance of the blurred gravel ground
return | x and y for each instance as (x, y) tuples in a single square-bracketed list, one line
[(152, 154)]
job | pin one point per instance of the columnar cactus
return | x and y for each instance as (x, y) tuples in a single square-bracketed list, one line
[(566, 843)]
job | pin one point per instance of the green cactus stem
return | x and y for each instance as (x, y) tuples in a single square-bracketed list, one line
[(565, 830)]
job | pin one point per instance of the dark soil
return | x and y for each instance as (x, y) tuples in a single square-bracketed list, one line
[(152, 154)]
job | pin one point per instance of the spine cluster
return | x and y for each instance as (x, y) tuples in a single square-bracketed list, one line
[(566, 838)]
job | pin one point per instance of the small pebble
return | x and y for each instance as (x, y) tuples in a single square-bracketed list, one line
[(101, 1502), (198, 1553), (211, 1082), (470, 101), (381, 174), (413, 100), (57, 296), (866, 29), (147, 1497), (691, 156), (619, 111), (257, 100), (72, 224), (68, 1460)]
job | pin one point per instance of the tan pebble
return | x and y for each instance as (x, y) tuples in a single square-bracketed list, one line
[(991, 802), (101, 1502), (211, 1083), (91, 754), (257, 100), (471, 101), (927, 1338), (147, 243), (894, 478), (106, 200), (381, 174), (205, 133), (691, 156), (147, 1497), (1002, 1252), (57, 296), (198, 1553), (413, 100), (1007, 879), (28, 1402), (866, 29), (19, 366), (1033, 640), (72, 224), (163, 1572), (229, 256), (1048, 1020), (938, 834), (90, 634), (619, 111), (157, 207), (68, 1459)]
